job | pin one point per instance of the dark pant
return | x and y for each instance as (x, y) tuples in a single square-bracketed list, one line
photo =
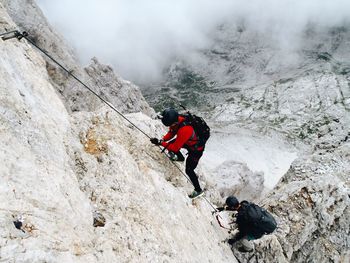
[(191, 164)]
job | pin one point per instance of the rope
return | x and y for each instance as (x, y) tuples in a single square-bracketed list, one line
[(188, 179), (19, 36), (87, 87)]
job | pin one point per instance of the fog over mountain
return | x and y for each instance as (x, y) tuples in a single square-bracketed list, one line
[(80, 184), (139, 38)]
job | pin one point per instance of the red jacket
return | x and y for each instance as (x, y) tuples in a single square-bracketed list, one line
[(185, 136)]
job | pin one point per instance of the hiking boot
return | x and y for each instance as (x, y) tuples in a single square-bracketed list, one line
[(244, 249), (195, 194), (180, 158), (244, 245)]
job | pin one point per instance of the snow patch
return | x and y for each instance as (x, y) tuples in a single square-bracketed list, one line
[(270, 155)]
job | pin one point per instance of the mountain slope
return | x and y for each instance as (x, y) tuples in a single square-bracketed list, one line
[(28, 17), (254, 92), (62, 170), (88, 187)]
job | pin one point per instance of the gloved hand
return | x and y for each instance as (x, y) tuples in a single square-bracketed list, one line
[(155, 141), (231, 241), (220, 209)]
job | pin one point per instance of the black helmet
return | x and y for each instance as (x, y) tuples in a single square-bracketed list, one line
[(169, 116), (232, 201)]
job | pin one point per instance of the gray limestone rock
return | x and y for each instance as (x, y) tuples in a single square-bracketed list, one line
[(101, 79), (58, 168), (312, 205), (60, 164)]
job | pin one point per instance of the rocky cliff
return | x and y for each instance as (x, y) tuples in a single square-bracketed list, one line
[(302, 97), (79, 184), (28, 17), (86, 186), (312, 204)]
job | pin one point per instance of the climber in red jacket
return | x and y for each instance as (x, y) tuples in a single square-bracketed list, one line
[(185, 138)]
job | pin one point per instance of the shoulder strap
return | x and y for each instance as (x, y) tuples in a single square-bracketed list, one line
[(186, 122)]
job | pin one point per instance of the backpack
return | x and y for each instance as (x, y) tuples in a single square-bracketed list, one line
[(200, 127), (261, 222)]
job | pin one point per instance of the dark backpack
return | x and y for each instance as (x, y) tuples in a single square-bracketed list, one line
[(200, 127), (259, 220)]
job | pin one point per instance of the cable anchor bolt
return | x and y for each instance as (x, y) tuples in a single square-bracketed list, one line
[(15, 34)]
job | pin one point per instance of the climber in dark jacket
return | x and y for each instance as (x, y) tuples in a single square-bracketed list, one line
[(185, 137), (252, 221)]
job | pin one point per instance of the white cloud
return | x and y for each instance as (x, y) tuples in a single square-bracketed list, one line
[(139, 37)]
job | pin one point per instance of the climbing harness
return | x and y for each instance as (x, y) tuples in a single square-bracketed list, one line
[(17, 34)]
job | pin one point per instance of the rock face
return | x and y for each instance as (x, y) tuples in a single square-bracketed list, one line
[(242, 58), (312, 204), (309, 107), (38, 183), (234, 178), (82, 186), (312, 107), (100, 78), (245, 82), (65, 175), (125, 95)]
